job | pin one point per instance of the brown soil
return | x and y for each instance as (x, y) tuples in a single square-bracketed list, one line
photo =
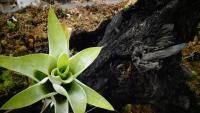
[(29, 34), (193, 65)]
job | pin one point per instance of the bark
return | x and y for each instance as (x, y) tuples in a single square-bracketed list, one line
[(141, 58)]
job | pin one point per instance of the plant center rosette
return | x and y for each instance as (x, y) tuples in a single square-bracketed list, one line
[(55, 74), (62, 73)]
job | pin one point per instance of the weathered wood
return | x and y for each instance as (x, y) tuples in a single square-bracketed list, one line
[(141, 58)]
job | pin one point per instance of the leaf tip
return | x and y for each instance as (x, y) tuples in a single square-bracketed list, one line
[(51, 12), (111, 108), (98, 49), (50, 8), (5, 107)]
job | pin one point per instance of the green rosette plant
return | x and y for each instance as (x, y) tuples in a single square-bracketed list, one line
[(55, 74)]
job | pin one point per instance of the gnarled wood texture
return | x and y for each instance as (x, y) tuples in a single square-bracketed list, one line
[(141, 58)]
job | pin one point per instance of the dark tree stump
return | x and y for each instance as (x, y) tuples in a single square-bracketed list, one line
[(141, 57)]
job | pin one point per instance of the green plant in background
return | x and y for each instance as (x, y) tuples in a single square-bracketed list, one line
[(55, 74), (6, 80), (10, 25), (126, 7), (194, 56)]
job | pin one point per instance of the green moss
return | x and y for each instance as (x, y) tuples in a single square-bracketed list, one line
[(6, 79), (126, 7), (138, 109), (11, 83), (193, 84), (11, 26), (128, 108)]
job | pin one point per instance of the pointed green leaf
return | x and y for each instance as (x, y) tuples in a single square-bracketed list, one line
[(63, 61), (29, 96), (76, 97), (58, 42), (79, 62), (61, 104), (67, 30), (94, 98), (60, 89), (28, 64), (63, 72), (63, 66)]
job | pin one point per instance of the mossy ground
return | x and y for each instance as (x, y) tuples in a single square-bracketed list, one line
[(191, 59), (29, 35), (11, 83)]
